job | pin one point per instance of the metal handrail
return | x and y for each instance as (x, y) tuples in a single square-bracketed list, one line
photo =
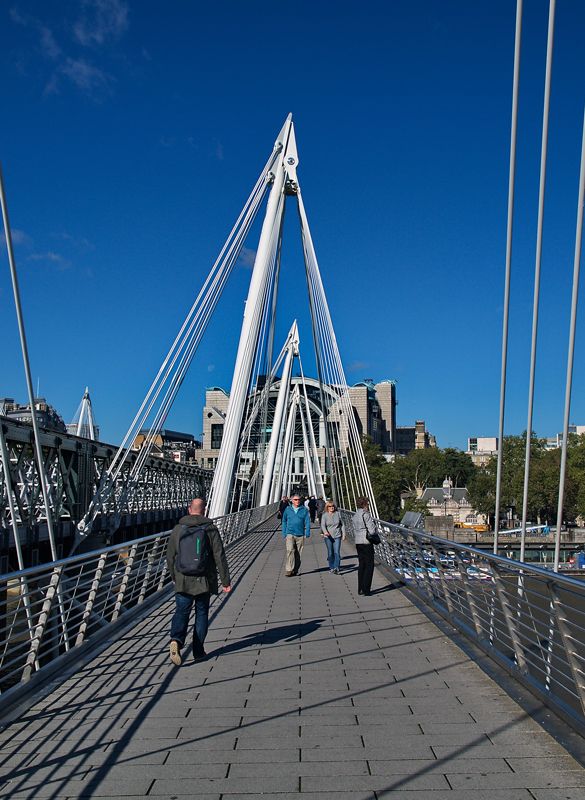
[(50, 610), (529, 620)]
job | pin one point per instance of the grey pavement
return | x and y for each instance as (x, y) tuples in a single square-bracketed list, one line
[(308, 688)]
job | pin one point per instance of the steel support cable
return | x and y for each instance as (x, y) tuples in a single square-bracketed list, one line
[(312, 432), (252, 200), (543, 156), (266, 388), (201, 319), (573, 326), (336, 370), (511, 186), (186, 356), (307, 257), (37, 442), (214, 284), (335, 379), (24, 347), (340, 464), (326, 368), (329, 335), (194, 326)]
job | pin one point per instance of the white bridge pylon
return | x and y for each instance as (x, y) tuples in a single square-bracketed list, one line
[(273, 460), (345, 458)]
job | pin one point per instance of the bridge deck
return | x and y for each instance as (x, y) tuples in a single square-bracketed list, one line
[(308, 689)]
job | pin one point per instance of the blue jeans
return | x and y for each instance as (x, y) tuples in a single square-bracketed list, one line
[(183, 605), (333, 548)]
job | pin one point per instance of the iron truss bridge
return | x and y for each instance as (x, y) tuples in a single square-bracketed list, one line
[(74, 469)]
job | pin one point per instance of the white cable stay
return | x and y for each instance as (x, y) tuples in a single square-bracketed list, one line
[(173, 369)]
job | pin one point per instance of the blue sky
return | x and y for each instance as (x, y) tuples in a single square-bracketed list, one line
[(132, 134)]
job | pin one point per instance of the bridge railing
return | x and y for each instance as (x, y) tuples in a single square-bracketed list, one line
[(529, 620), (48, 614)]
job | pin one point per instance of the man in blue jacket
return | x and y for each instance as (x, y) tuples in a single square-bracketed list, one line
[(296, 525)]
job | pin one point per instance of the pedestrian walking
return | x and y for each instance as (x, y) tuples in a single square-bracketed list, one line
[(296, 527), (195, 553), (363, 525), (282, 505), (320, 508), (312, 507), (333, 532)]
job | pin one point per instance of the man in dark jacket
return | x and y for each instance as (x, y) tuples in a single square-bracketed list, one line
[(320, 507), (196, 589), (282, 505)]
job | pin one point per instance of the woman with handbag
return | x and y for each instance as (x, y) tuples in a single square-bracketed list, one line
[(365, 536), (333, 531)]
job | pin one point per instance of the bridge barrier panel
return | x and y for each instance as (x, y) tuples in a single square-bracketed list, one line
[(50, 612), (529, 620)]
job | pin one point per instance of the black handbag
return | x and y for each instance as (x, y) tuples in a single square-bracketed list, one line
[(373, 538)]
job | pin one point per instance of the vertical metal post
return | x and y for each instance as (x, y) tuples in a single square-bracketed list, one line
[(573, 325), (42, 624), (123, 585), (549, 54), (509, 620), (91, 600), (575, 664), (511, 183), (470, 598), (275, 436), (151, 557), (20, 318), (444, 585)]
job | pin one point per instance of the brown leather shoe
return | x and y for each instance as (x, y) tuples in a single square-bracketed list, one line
[(289, 574)]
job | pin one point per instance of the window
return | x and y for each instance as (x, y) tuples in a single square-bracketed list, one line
[(216, 436)]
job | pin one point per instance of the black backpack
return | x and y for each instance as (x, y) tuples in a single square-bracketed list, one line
[(193, 551)]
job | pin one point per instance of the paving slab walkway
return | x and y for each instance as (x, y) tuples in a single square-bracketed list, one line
[(309, 688)]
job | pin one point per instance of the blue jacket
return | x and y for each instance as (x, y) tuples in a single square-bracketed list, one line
[(296, 522)]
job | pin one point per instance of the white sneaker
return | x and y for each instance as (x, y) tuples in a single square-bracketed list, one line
[(175, 653)]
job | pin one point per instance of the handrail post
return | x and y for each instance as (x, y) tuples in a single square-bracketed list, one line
[(510, 620), (469, 595), (567, 638), (123, 585), (151, 557), (91, 600), (42, 624)]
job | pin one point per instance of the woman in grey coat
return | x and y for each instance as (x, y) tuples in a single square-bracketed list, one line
[(362, 525), (333, 531)]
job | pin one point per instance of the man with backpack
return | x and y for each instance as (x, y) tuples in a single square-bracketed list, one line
[(194, 555)]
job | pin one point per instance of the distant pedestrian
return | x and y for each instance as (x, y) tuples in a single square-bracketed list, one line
[(312, 507), (296, 526), (333, 531), (194, 555), (320, 507), (363, 524), (283, 504)]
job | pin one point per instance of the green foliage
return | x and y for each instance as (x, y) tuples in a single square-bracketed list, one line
[(421, 468), (430, 467), (543, 486)]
